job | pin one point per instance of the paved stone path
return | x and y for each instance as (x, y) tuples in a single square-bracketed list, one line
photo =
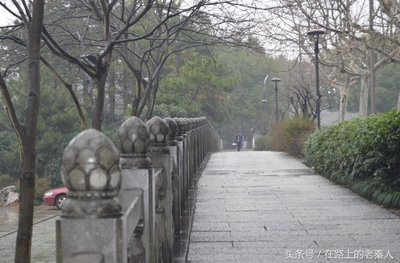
[(258, 207)]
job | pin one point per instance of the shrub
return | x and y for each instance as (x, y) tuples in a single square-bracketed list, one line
[(261, 144), (362, 150), (274, 139), (294, 134), (5, 181), (289, 136)]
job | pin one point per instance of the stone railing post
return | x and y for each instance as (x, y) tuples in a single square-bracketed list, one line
[(181, 160), (191, 152), (203, 137), (137, 172), (209, 139), (186, 160), (93, 219), (176, 179), (160, 156), (201, 140), (196, 163), (204, 131), (197, 145)]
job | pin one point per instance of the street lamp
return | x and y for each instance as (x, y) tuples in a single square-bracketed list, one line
[(264, 100), (264, 112), (276, 80), (315, 33)]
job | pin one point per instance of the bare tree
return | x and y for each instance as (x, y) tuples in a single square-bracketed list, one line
[(27, 132), (391, 9), (193, 29), (303, 102), (359, 39)]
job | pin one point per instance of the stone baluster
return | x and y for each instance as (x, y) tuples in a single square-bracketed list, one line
[(209, 139), (202, 138), (196, 140), (192, 151), (180, 140), (173, 147), (137, 173), (199, 142), (196, 148), (205, 135), (136, 250), (186, 155), (159, 154), (91, 217)]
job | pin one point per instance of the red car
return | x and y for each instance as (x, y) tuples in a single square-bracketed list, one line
[(56, 196)]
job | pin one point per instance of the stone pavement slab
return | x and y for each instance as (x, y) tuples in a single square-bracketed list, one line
[(268, 207)]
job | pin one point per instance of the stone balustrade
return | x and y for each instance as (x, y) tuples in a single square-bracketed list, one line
[(133, 204)]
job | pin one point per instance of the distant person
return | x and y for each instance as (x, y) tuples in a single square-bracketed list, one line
[(239, 141)]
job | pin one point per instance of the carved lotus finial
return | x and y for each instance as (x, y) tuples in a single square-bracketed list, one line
[(134, 141), (159, 133), (134, 138), (90, 170), (173, 129)]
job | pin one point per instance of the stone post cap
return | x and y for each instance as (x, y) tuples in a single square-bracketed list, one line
[(134, 141), (90, 164), (159, 134), (90, 170), (180, 129), (173, 130), (186, 128)]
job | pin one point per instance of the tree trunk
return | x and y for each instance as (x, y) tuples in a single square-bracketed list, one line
[(111, 96), (28, 162), (97, 117), (398, 102), (363, 107), (372, 58), (87, 94), (152, 99), (344, 92), (372, 81), (126, 94), (125, 90), (103, 67)]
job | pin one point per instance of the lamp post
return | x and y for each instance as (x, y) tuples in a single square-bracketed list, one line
[(264, 100), (315, 33), (276, 80), (264, 113)]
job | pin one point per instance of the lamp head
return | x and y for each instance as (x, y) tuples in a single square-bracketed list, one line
[(315, 32)]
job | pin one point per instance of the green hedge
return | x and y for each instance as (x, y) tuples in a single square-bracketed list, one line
[(363, 154)]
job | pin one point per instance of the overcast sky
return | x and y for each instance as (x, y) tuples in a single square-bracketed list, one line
[(5, 17)]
